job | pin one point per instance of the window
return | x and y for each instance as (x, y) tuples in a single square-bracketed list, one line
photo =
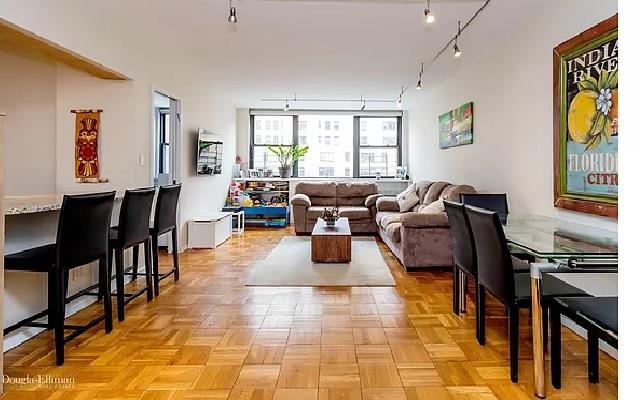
[(326, 171), (280, 132), (379, 146), (324, 156), (340, 144)]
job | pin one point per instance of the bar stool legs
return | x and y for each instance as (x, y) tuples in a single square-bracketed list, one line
[(136, 255), (122, 297), (175, 271), (176, 261)]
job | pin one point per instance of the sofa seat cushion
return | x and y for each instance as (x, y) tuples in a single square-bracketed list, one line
[(390, 219), (354, 212), (382, 214), (315, 212), (393, 231)]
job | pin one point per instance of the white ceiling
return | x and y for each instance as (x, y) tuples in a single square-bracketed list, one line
[(278, 48)]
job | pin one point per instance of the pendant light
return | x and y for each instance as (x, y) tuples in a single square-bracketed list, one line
[(429, 18), (233, 19), (456, 50)]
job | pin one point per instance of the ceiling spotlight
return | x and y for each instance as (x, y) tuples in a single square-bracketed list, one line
[(286, 105), (419, 85), (232, 14), (456, 50), (364, 105), (429, 18)]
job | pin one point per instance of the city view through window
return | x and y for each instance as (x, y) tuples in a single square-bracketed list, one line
[(338, 147)]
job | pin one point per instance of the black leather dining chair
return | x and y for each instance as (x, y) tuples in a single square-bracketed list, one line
[(164, 221), (496, 274), (489, 201), (82, 238), (495, 202), (132, 230), (464, 258), (597, 315)]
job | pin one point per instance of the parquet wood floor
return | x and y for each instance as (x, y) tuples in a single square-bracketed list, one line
[(210, 337)]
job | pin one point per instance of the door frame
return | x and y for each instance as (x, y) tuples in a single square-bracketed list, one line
[(176, 122)]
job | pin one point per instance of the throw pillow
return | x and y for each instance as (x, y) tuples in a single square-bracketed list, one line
[(408, 198), (437, 207)]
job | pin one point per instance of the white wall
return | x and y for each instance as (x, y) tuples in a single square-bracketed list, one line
[(28, 95), (510, 84)]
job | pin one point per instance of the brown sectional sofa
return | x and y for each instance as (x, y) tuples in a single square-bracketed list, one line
[(354, 200), (420, 238)]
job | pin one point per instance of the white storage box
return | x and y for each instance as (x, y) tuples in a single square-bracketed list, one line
[(209, 231)]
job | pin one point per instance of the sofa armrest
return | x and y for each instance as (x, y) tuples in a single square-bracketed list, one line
[(370, 201), (387, 203), (301, 199), (424, 220)]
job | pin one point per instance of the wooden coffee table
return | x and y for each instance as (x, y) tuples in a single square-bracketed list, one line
[(331, 244)]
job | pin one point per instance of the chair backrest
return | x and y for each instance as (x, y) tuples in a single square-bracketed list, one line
[(495, 269), (489, 201), (135, 212), (166, 208), (464, 251), (83, 228)]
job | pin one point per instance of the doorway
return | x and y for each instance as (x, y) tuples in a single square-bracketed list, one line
[(166, 139), (166, 148)]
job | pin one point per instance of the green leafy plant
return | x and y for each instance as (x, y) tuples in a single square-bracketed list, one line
[(287, 155)]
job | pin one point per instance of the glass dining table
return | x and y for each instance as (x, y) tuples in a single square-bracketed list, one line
[(565, 248)]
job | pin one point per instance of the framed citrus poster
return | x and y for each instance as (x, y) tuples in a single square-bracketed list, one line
[(585, 105)]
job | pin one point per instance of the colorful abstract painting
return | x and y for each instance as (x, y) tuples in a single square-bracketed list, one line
[(456, 127), (87, 166)]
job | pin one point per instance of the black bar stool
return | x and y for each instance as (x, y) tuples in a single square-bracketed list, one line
[(83, 236), (132, 230), (164, 221)]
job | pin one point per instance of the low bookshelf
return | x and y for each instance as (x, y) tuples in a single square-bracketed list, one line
[(265, 201)]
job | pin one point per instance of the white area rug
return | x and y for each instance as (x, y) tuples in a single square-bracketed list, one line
[(289, 264)]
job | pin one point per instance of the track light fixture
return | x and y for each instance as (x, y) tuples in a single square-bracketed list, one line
[(399, 102), (429, 18), (286, 105), (363, 103), (456, 50), (419, 85), (233, 19)]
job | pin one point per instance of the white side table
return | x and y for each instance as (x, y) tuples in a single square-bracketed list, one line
[(238, 219)]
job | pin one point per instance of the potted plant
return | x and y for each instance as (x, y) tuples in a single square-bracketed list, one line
[(288, 155)]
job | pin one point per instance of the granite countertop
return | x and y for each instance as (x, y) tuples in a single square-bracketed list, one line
[(30, 204)]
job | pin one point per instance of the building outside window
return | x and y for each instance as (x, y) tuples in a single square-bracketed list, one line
[(326, 172), (326, 156)]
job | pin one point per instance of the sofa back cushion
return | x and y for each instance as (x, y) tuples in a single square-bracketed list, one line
[(434, 192), (320, 193), (452, 193), (421, 188), (354, 193)]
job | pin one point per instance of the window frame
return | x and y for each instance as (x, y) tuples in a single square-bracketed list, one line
[(355, 156)]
